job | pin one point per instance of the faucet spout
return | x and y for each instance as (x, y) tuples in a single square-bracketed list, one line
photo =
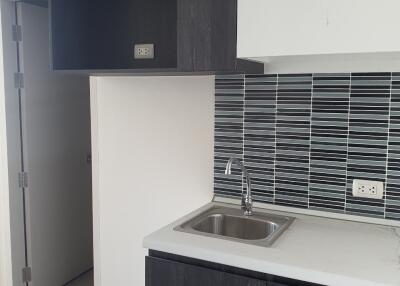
[(247, 201)]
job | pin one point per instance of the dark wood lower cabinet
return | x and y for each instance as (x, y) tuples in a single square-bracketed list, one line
[(161, 272), (163, 269)]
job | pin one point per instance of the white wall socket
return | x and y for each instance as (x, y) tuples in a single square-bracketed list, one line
[(368, 189), (144, 51)]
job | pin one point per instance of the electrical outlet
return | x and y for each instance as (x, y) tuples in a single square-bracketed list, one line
[(144, 51), (368, 189)]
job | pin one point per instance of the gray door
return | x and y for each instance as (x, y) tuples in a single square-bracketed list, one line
[(56, 143)]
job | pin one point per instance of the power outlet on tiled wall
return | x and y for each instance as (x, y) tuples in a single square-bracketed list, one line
[(305, 138), (368, 189)]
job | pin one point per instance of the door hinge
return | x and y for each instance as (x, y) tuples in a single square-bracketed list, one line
[(19, 80), (17, 33), (26, 275), (23, 179)]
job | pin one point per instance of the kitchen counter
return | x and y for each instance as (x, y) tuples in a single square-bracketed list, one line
[(314, 249)]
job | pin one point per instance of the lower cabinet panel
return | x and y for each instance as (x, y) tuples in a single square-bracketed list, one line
[(166, 269), (163, 272)]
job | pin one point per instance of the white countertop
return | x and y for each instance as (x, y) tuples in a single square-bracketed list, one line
[(314, 249)]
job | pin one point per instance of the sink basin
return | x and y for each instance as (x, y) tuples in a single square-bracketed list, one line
[(229, 223), (237, 227)]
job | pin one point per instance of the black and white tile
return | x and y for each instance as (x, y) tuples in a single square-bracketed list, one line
[(329, 130), (259, 130), (293, 113), (305, 137), (368, 137), (228, 142)]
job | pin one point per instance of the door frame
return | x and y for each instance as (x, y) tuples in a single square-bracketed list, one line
[(12, 96), (5, 235), (14, 195), (21, 252)]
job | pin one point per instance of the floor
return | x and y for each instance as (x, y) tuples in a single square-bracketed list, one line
[(84, 280)]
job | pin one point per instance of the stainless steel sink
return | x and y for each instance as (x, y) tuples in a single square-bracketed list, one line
[(229, 223)]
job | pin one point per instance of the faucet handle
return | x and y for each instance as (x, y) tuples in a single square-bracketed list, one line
[(247, 205)]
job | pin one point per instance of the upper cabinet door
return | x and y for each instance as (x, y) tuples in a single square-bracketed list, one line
[(307, 27), (179, 35)]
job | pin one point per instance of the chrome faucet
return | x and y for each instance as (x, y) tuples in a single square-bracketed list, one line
[(247, 201)]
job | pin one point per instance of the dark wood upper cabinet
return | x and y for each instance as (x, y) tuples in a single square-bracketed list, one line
[(188, 35)]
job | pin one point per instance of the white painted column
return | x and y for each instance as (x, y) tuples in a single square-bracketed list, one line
[(153, 140)]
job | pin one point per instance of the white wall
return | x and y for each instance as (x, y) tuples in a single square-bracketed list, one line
[(152, 163), (371, 62), (304, 27), (5, 237)]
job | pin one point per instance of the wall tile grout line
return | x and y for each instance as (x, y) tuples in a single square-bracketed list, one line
[(275, 137), (347, 148), (309, 150), (387, 145), (243, 122)]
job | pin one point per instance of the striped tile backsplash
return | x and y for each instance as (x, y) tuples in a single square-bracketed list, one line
[(305, 137)]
